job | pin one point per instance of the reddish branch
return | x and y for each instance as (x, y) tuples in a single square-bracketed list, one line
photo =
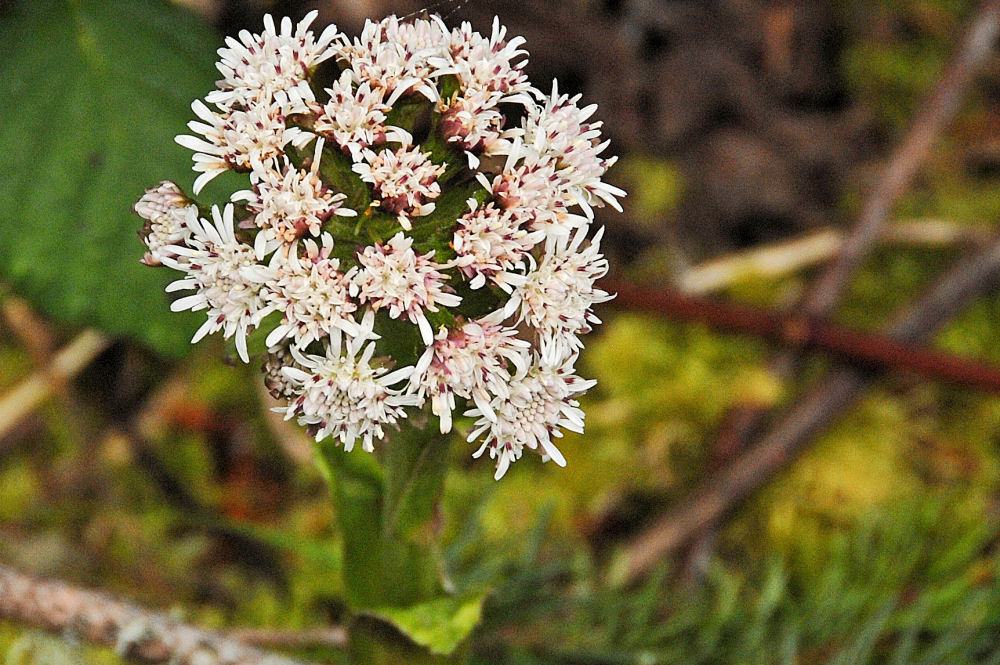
[(801, 332), (807, 417), (136, 633)]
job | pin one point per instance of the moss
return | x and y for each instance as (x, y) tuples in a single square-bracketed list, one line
[(19, 646)]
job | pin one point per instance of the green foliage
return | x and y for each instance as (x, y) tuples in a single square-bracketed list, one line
[(35, 648), (89, 113), (904, 586)]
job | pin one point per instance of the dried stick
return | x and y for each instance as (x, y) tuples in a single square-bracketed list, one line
[(29, 328), (934, 114), (855, 347), (136, 633), (808, 416)]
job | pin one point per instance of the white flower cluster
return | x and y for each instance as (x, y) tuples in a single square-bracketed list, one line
[(400, 241)]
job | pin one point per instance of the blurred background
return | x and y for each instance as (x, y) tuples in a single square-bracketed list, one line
[(693, 523)]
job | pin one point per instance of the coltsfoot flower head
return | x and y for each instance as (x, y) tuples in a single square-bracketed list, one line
[(354, 117), (290, 203), (472, 362), (557, 296), (395, 278), (310, 292), (216, 264), (418, 235), (493, 244), (488, 64), (240, 140), (560, 130), (344, 394), (395, 55), (539, 405)]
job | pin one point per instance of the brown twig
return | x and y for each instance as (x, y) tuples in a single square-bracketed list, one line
[(29, 328), (136, 633), (808, 416), (855, 347), (934, 114)]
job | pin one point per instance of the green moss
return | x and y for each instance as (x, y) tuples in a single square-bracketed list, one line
[(654, 187), (20, 646)]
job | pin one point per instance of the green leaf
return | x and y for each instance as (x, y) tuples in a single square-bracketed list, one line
[(91, 96), (439, 625)]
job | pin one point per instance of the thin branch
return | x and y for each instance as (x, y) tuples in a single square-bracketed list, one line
[(807, 417), (136, 633), (935, 113), (855, 347), (334, 637), (29, 328), (25, 397)]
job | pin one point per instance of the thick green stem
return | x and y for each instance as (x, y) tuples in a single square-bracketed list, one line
[(388, 511), (415, 468)]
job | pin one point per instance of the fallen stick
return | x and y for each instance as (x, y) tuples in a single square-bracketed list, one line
[(934, 114), (876, 350), (333, 637), (816, 247), (135, 633)]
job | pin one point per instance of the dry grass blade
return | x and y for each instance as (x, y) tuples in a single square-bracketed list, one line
[(30, 393)]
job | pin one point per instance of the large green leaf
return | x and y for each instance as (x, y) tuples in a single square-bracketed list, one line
[(91, 95)]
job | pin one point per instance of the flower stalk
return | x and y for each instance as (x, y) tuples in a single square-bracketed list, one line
[(413, 246)]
